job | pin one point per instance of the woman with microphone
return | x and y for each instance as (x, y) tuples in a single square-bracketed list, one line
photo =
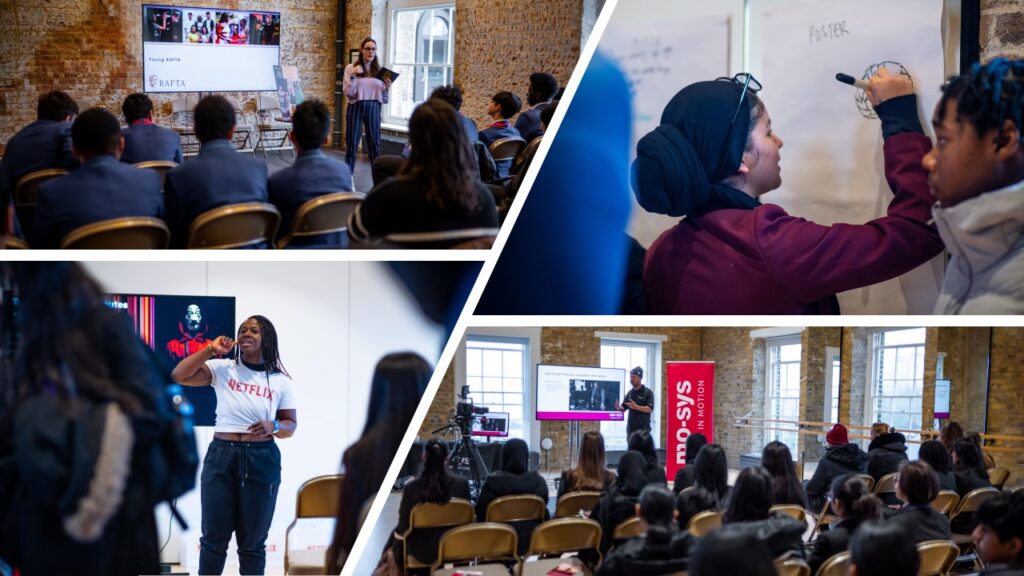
[(712, 158), (366, 93), (242, 469)]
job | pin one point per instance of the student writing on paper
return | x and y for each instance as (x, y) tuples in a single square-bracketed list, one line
[(711, 159)]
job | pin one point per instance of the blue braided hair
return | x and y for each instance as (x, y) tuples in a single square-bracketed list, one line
[(988, 96)]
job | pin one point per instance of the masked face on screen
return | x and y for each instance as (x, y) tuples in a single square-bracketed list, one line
[(193, 317)]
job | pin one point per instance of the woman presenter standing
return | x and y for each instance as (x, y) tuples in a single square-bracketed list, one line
[(242, 468), (366, 93)]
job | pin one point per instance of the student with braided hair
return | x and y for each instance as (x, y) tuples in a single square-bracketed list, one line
[(242, 469), (976, 172)]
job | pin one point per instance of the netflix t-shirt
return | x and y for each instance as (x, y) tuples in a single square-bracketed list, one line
[(246, 396)]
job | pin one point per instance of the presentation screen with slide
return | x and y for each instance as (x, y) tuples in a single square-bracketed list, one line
[(175, 327), (194, 49), (491, 424), (579, 392)]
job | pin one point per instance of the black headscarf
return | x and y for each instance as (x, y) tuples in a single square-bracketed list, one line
[(632, 473), (514, 456), (680, 166)]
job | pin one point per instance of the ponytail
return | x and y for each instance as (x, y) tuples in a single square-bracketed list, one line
[(857, 499), (434, 475)]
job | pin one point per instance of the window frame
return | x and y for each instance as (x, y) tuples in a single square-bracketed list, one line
[(388, 120), (874, 378), (773, 342), (477, 395), (652, 380)]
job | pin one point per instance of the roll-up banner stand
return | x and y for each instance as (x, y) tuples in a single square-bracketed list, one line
[(691, 388)]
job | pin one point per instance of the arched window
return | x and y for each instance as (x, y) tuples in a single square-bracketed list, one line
[(420, 49)]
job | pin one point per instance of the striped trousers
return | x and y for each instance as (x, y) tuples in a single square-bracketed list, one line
[(359, 113)]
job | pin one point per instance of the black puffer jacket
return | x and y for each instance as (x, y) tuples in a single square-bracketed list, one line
[(838, 460), (640, 556), (886, 453), (780, 532)]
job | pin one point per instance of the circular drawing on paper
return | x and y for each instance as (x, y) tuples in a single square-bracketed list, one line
[(863, 104)]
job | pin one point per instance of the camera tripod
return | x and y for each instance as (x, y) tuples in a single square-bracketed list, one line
[(465, 459)]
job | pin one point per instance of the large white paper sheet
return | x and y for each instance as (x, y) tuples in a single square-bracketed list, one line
[(661, 47), (832, 167)]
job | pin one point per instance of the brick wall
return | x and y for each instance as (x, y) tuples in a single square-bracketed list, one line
[(1006, 397), (736, 374), (813, 366), (442, 406), (92, 49), (1002, 29)]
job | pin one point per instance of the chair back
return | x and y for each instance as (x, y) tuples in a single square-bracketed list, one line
[(516, 508), (792, 567), (973, 500), (869, 480), (937, 557), (26, 191), (12, 243), (945, 501), (506, 148), (455, 512), (161, 167), (268, 103), (454, 237), (318, 497), (526, 157), (325, 214), (628, 528), (557, 537), (479, 541), (235, 226), (704, 522), (886, 483), (128, 233), (837, 565), (570, 504), (998, 476), (796, 512)]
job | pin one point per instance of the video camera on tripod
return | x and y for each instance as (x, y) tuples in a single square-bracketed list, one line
[(466, 412)]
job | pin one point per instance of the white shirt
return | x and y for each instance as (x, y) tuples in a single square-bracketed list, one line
[(246, 396)]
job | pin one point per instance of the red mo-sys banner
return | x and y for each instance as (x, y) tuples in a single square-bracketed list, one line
[(691, 387)]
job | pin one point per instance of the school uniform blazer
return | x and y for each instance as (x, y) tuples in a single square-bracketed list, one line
[(313, 174), (491, 133), (102, 189), (528, 123), (145, 142), (764, 261), (922, 523), (469, 126), (40, 145), (217, 177)]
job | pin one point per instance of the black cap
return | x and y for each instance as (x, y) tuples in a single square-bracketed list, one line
[(637, 371)]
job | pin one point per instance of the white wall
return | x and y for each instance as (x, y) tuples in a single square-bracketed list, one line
[(334, 321)]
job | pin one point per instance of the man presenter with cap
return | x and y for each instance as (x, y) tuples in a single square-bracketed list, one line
[(639, 402)]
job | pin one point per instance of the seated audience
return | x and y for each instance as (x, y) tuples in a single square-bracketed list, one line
[(436, 190), (684, 476), (643, 442), (219, 176), (934, 453), (618, 503), (887, 450), (501, 107), (515, 478), (841, 457), (778, 461), (710, 485), (399, 380), (661, 549), (986, 458), (590, 473), (999, 535), (453, 96), (917, 486), (45, 143), (968, 467), (749, 509), (854, 504), (435, 484), (101, 189), (949, 434), (543, 87), (731, 550), (313, 173), (882, 548), (144, 140), (978, 180), (547, 114)]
